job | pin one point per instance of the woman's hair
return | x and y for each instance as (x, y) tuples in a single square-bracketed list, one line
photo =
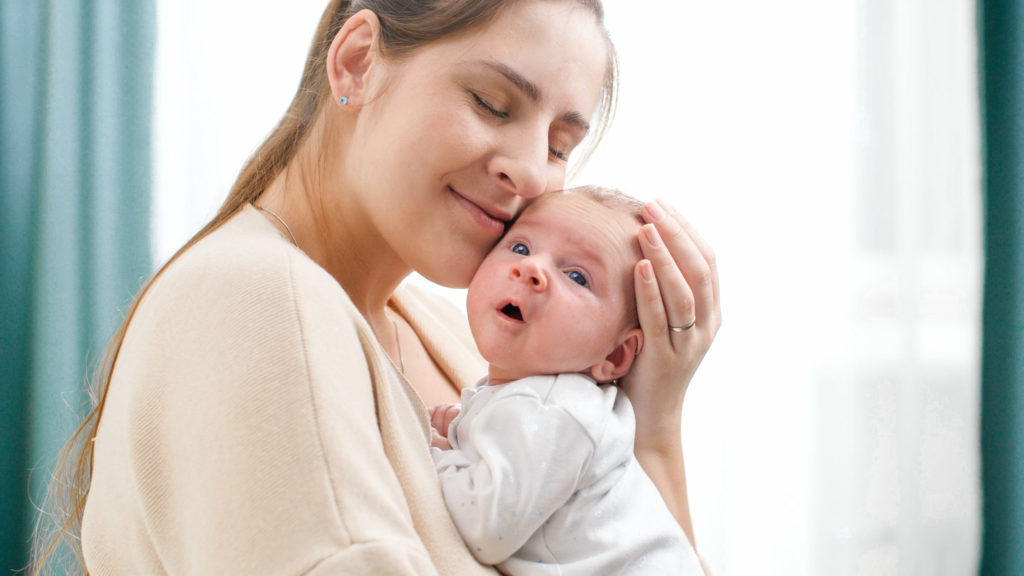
[(405, 25)]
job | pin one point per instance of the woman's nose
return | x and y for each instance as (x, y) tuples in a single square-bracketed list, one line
[(529, 270), (522, 165)]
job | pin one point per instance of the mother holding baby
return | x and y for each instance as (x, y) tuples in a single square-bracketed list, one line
[(263, 406)]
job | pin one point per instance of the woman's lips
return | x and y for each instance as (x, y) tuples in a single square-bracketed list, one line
[(494, 225)]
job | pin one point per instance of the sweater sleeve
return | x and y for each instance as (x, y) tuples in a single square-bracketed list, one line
[(518, 460), (240, 433)]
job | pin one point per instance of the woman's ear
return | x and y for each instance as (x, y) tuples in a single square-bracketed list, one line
[(352, 56), (617, 364)]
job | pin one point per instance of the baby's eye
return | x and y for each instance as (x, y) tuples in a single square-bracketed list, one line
[(520, 248), (577, 277)]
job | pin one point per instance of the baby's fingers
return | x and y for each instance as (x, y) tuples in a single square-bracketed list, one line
[(438, 441), (437, 417), (441, 416)]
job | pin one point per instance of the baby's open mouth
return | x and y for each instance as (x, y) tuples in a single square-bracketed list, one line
[(512, 311)]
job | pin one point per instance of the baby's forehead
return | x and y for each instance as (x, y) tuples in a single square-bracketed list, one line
[(576, 206), (587, 221)]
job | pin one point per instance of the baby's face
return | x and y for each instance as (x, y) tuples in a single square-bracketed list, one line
[(552, 297)]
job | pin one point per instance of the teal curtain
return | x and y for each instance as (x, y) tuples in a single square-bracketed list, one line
[(1002, 410), (75, 107)]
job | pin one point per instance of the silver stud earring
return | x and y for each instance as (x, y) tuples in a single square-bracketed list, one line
[(343, 100)]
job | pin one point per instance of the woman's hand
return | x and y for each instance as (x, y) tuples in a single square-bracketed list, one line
[(678, 308), (679, 312)]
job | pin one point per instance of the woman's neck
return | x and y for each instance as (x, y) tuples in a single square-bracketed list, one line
[(334, 233)]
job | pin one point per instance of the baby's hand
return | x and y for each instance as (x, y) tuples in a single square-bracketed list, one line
[(441, 417), (438, 441)]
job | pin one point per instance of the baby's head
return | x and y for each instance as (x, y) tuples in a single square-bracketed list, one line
[(556, 294)]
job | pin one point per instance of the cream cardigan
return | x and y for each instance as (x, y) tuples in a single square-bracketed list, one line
[(254, 425)]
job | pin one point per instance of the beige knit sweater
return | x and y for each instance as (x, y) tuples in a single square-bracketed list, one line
[(254, 426)]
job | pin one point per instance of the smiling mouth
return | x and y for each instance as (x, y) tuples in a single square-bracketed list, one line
[(512, 311), (497, 223)]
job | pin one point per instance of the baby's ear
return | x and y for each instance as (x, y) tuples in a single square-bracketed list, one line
[(617, 364)]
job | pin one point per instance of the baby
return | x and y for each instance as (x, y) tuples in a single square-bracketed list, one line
[(537, 466)]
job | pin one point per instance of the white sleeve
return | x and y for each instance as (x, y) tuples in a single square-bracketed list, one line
[(518, 461)]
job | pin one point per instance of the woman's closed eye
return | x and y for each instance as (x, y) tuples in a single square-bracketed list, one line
[(487, 107), (560, 154), (483, 104), (561, 142)]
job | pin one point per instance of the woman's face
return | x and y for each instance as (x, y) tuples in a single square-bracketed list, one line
[(467, 130)]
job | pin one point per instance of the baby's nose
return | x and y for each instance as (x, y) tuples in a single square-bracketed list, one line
[(529, 270)]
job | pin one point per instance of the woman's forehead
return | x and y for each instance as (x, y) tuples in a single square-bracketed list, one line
[(557, 50)]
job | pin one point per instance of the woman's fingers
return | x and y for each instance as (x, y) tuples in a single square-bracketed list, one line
[(650, 309), (685, 253), (702, 245), (676, 295)]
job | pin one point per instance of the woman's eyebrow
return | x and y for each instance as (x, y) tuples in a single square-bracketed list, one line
[(533, 92)]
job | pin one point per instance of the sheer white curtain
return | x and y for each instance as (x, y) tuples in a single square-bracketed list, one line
[(226, 71), (829, 152)]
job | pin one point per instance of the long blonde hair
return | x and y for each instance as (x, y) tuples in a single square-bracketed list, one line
[(404, 26)]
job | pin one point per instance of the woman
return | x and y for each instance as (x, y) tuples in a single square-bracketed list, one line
[(264, 402)]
